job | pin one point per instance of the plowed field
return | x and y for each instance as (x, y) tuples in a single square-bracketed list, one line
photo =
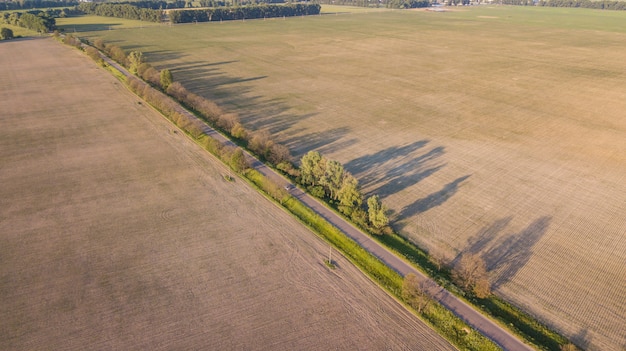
[(498, 130), (116, 233)]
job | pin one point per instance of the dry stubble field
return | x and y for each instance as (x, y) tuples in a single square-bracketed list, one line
[(497, 130), (118, 234)]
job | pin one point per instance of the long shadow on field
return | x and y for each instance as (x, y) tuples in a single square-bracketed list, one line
[(161, 55), (433, 200), (583, 339), (509, 254), (486, 235), (239, 95), (396, 168), (321, 141), (94, 27)]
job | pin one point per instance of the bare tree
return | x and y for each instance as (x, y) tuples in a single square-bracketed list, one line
[(470, 273), (414, 292)]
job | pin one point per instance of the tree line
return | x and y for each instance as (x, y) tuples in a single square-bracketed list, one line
[(259, 143), (244, 12), (36, 20), (8, 5), (155, 4), (126, 11), (589, 4)]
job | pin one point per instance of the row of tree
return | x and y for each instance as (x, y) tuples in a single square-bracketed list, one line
[(328, 180), (8, 5), (156, 4), (589, 4), (36, 20), (126, 11), (259, 142), (245, 12), (220, 3)]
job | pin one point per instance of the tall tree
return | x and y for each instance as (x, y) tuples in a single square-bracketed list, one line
[(332, 178), (166, 78), (308, 163), (350, 196), (377, 212), (135, 59)]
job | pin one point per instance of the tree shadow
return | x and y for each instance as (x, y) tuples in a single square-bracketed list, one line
[(299, 145), (507, 256), (89, 27), (486, 235), (396, 168), (367, 162), (238, 94), (433, 200), (161, 56), (583, 339)]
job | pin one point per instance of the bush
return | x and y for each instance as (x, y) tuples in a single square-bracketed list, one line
[(94, 54), (6, 33)]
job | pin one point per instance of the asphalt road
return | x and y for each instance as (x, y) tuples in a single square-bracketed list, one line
[(471, 316)]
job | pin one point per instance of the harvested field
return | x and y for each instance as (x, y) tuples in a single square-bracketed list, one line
[(497, 130), (117, 233)]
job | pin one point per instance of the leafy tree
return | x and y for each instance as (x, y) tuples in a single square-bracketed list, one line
[(135, 59), (377, 212), (414, 292), (470, 273), (238, 160), (332, 178), (117, 54), (350, 196), (308, 164), (166, 79), (238, 131), (6, 33)]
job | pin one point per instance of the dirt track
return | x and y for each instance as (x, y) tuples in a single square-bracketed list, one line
[(117, 233)]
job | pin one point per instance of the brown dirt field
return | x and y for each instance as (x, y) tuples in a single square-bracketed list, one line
[(117, 234)]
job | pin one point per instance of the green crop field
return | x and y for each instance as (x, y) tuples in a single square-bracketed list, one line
[(497, 130)]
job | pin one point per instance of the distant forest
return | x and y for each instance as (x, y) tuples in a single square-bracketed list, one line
[(588, 4)]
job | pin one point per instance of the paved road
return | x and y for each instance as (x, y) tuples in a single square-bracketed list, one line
[(477, 320)]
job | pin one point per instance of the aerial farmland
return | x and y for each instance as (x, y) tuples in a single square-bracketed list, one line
[(118, 232), (490, 130)]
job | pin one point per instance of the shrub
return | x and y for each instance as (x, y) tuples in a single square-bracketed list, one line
[(6, 33)]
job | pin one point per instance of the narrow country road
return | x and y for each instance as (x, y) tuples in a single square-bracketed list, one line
[(470, 315)]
